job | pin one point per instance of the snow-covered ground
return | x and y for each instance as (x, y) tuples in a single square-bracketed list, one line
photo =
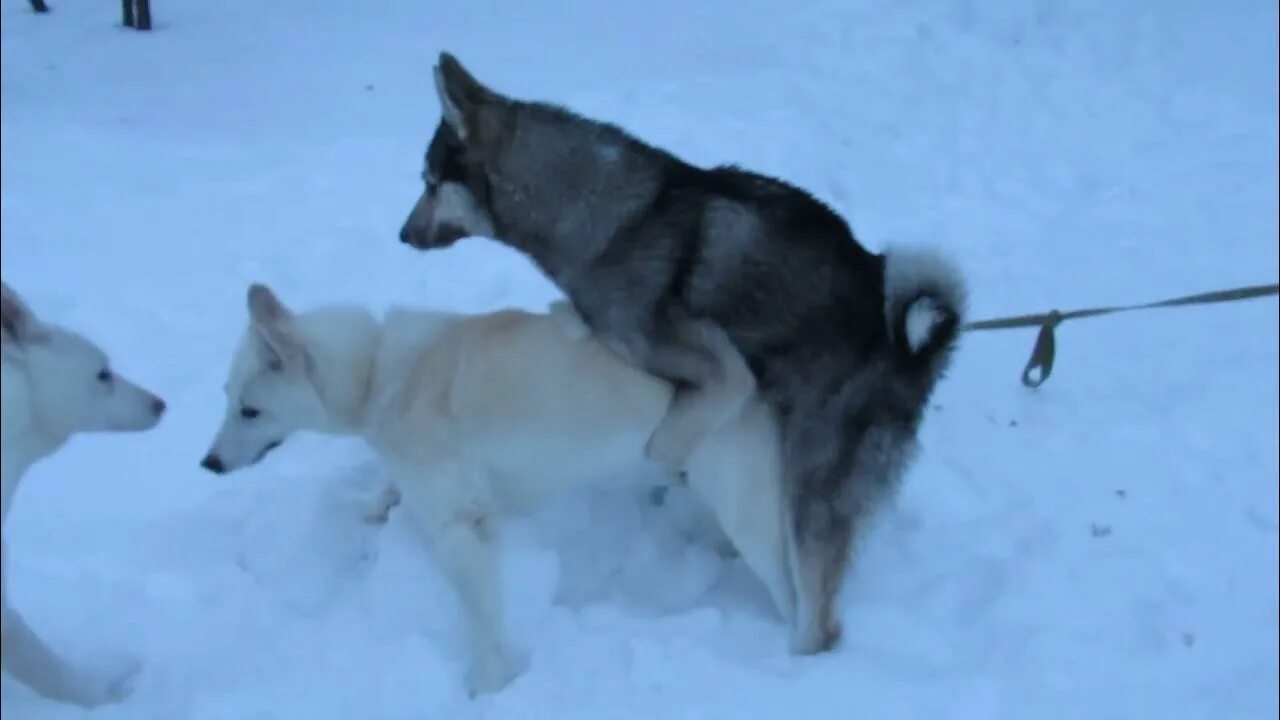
[(1105, 547)]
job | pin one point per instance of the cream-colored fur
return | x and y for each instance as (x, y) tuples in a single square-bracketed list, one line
[(484, 416)]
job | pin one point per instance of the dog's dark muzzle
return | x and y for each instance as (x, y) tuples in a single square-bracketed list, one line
[(414, 236), (422, 238)]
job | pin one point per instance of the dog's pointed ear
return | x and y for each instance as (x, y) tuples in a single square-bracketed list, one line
[(464, 100), (17, 323), (274, 327)]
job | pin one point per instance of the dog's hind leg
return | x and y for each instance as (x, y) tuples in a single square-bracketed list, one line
[(819, 463), (818, 565), (450, 502), (841, 465)]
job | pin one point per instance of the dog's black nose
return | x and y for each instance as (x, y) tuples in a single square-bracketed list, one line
[(157, 407), (406, 235), (213, 464)]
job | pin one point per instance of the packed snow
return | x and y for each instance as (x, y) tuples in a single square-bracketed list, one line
[(1104, 547)]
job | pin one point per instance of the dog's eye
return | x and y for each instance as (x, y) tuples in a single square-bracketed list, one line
[(104, 376), (249, 413)]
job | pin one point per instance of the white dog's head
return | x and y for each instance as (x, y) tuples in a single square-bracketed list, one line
[(65, 381), (271, 390)]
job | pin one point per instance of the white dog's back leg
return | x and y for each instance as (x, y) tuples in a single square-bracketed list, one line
[(451, 503), (737, 473)]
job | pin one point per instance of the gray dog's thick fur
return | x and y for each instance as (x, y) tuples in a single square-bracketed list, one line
[(846, 345)]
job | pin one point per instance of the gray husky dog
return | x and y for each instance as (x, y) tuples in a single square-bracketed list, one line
[(846, 345)]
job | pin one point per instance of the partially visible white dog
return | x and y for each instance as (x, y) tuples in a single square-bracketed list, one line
[(480, 416), (56, 383)]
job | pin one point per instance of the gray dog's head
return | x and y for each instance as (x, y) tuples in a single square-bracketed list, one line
[(529, 174), (455, 200)]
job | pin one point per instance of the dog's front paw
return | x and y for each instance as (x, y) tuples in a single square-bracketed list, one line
[(492, 674), (106, 685), (120, 683), (379, 510)]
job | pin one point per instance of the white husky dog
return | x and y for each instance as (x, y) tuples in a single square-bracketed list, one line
[(55, 384), (480, 416)]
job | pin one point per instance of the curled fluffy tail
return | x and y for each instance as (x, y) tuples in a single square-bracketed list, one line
[(924, 304)]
